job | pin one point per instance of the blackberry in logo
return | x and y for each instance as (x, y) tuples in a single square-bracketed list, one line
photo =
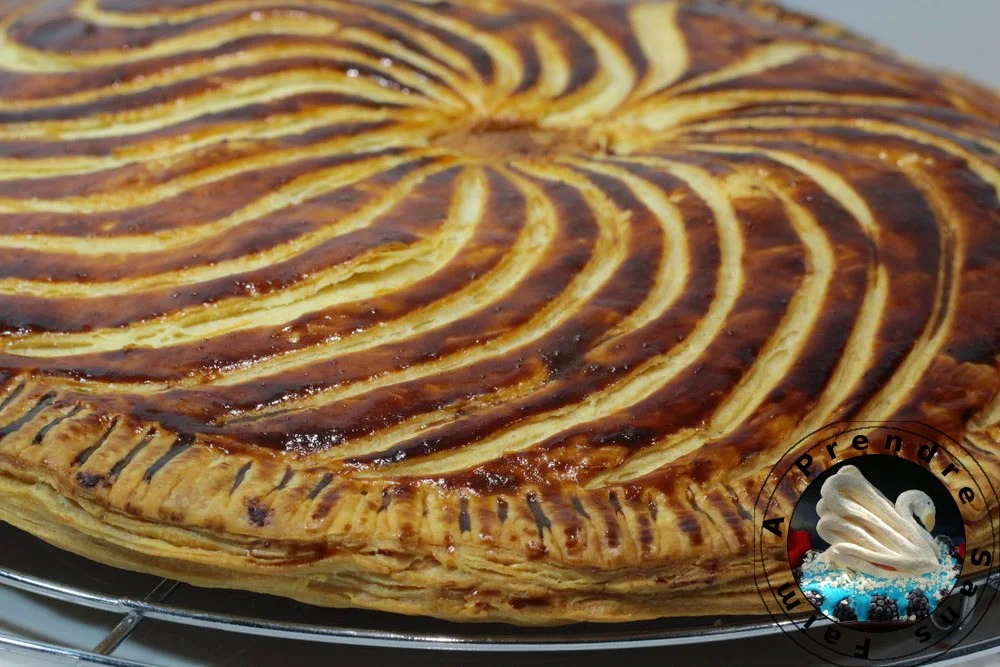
[(883, 608), (956, 552), (844, 611), (918, 607), (814, 598)]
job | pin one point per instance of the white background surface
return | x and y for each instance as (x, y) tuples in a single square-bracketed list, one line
[(958, 34), (961, 35)]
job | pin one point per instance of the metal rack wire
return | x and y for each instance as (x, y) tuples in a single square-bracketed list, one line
[(26, 564), (311, 624)]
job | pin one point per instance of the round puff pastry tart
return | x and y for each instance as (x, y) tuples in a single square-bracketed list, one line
[(478, 309)]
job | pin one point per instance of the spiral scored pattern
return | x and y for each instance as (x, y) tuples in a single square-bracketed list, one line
[(570, 260)]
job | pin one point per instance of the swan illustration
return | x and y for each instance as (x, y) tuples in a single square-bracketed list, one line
[(869, 534)]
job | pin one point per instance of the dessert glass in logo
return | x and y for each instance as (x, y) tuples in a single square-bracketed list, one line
[(876, 540)]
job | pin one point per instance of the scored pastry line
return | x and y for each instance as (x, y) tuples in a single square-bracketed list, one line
[(586, 281), (757, 61), (235, 95), (925, 350), (984, 170), (165, 151), (770, 365), (319, 184), (607, 257), (609, 252), (555, 72), (672, 275), (542, 217), (858, 351), (641, 382), (372, 273), (20, 58), (505, 59), (912, 126), (415, 79), (674, 113), (601, 95), (91, 10), (663, 45), (300, 189), (367, 143), (533, 239), (54, 422), (927, 346)]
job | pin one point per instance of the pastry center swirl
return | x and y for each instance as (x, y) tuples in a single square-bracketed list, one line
[(498, 140)]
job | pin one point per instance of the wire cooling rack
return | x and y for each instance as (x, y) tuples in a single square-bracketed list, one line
[(28, 565), (131, 600)]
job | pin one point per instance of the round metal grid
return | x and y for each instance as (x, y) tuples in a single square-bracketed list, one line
[(28, 565)]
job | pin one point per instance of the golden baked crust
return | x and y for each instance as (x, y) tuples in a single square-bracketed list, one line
[(482, 309)]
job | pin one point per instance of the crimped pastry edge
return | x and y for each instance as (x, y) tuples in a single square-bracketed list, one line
[(470, 582), (364, 580)]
